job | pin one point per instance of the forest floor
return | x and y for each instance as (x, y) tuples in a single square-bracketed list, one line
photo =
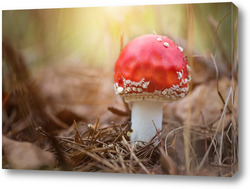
[(68, 117)]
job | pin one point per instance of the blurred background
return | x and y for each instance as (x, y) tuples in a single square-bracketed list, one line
[(92, 35)]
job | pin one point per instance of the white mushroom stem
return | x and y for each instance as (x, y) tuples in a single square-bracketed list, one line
[(144, 115)]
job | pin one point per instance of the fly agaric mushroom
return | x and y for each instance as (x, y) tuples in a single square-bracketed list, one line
[(150, 70)]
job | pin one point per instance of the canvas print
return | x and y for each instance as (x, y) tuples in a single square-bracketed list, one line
[(149, 89)]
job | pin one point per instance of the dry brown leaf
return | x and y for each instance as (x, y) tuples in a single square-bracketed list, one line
[(202, 70), (204, 98), (68, 116), (25, 155)]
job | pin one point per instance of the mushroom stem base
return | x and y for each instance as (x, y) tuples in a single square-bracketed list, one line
[(146, 119)]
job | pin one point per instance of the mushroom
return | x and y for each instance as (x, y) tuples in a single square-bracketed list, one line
[(150, 70)]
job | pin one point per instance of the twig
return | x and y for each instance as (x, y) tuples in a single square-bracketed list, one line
[(117, 111), (221, 139), (134, 156), (216, 37), (54, 119), (205, 137), (230, 125), (217, 129), (121, 159), (235, 68), (166, 139), (217, 81), (97, 158), (78, 138), (126, 106)]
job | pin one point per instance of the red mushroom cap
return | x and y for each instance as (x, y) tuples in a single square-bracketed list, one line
[(151, 67)]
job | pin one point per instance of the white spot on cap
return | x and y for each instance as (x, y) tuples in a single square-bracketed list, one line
[(181, 49), (179, 75), (131, 87), (145, 85), (119, 90), (166, 44), (159, 39), (139, 90), (128, 89), (182, 95)]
